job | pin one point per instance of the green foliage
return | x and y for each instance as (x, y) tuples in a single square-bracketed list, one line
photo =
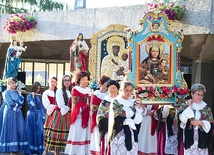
[(24, 6)]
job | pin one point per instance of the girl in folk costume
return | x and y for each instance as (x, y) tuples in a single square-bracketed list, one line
[(13, 135), (125, 117), (196, 121), (96, 99), (49, 102), (171, 146), (58, 133), (78, 142), (147, 139), (35, 120), (103, 113), (78, 54)]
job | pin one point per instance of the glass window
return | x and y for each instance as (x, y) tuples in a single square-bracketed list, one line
[(28, 68), (60, 73), (52, 70), (40, 73), (67, 68)]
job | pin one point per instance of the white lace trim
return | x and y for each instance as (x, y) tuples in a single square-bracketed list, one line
[(129, 102), (82, 90), (109, 98), (99, 94), (199, 106)]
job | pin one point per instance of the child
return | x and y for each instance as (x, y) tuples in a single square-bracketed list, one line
[(13, 125), (20, 49), (122, 68), (163, 72), (35, 120)]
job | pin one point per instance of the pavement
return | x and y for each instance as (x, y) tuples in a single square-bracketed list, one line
[(49, 153)]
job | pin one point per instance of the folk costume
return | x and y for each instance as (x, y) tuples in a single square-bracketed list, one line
[(199, 138), (13, 134), (35, 124), (58, 133), (124, 124), (171, 146), (161, 115), (78, 141), (147, 138), (49, 102), (96, 99), (102, 122)]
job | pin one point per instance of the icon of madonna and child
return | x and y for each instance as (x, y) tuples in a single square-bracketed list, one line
[(154, 67)]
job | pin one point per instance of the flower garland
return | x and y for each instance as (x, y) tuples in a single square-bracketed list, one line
[(158, 93), (174, 11), (20, 23)]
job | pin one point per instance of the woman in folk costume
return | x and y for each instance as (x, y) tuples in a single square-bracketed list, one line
[(78, 54), (49, 102), (125, 117), (58, 133), (13, 135), (103, 114), (78, 142), (35, 120), (147, 139), (96, 99), (196, 121)]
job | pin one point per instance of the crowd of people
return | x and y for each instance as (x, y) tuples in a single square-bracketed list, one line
[(76, 120)]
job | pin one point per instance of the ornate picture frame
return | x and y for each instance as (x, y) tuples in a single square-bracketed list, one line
[(155, 53), (102, 43)]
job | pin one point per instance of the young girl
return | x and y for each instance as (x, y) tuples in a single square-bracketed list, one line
[(49, 102), (13, 135), (125, 117), (35, 120), (61, 117)]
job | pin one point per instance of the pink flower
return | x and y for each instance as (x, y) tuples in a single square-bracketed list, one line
[(21, 23)]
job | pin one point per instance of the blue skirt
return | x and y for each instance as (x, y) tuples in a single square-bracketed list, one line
[(13, 135), (35, 130)]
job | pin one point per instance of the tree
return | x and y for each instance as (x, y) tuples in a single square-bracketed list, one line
[(24, 6)]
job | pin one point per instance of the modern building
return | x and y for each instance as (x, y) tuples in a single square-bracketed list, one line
[(48, 45)]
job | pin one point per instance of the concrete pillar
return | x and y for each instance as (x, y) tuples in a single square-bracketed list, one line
[(203, 72)]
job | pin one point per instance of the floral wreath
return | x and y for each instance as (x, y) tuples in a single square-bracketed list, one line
[(158, 93)]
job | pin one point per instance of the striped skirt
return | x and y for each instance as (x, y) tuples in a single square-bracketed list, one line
[(57, 132)]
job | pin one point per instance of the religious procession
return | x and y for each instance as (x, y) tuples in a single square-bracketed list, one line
[(125, 94)]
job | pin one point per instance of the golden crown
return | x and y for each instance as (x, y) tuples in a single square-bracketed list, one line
[(154, 43)]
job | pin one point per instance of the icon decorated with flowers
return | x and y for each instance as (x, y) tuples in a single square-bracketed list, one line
[(159, 93), (20, 23), (174, 11)]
